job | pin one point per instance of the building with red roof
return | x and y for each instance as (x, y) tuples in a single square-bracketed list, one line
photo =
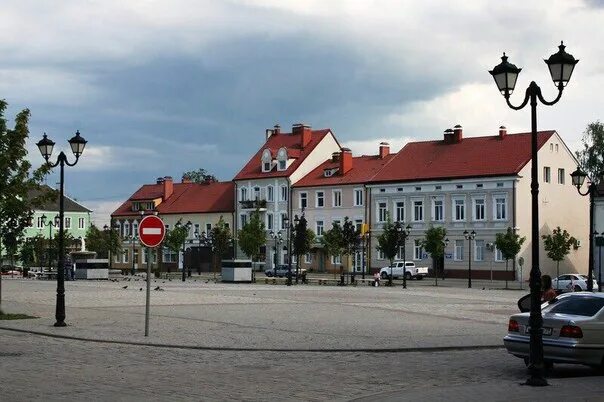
[(480, 185), (202, 204), (265, 181)]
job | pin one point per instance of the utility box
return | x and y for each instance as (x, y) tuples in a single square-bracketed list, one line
[(237, 271), (92, 269)]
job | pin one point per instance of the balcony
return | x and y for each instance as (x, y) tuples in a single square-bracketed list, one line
[(253, 204)]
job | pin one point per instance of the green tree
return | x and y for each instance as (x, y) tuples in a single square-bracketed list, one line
[(32, 250), (591, 157), (17, 179), (509, 244), (304, 239), (558, 245), (200, 176), (434, 244), (103, 242), (389, 242), (333, 242), (221, 241), (349, 240), (252, 236)]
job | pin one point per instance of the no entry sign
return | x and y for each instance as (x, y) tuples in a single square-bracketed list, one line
[(151, 231)]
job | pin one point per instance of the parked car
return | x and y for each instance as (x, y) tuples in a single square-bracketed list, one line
[(408, 267), (573, 330), (282, 271), (572, 282)]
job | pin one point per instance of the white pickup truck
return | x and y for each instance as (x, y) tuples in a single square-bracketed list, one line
[(411, 271)]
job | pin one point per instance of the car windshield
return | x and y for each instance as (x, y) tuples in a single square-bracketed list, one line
[(583, 277), (584, 306)]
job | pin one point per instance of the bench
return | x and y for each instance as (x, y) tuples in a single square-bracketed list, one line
[(368, 281), (274, 280)]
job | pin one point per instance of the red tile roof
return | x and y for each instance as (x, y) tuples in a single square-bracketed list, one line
[(363, 169), (253, 169), (472, 157), (186, 198)]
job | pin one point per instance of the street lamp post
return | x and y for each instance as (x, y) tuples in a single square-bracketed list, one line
[(133, 239), (50, 225), (469, 237), (446, 244), (289, 249), (278, 240), (505, 74), (578, 178), (187, 226), (45, 145), (599, 241), (110, 229), (403, 233)]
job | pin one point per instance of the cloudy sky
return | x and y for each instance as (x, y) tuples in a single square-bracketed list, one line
[(162, 87)]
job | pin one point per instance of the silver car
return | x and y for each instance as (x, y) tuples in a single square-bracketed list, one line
[(572, 282), (573, 330)]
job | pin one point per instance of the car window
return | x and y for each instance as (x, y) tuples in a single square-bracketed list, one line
[(583, 277), (585, 306), (564, 278)]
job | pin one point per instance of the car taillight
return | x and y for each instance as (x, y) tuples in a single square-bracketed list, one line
[(513, 326), (571, 331)]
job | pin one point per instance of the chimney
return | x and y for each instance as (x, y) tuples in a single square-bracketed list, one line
[(305, 132), (159, 180), (277, 129), (335, 156), (502, 132), (448, 136), (457, 134), (345, 161), (186, 179), (384, 149), (168, 187)]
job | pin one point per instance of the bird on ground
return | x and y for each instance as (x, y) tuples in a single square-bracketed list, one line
[(125, 287), (141, 289)]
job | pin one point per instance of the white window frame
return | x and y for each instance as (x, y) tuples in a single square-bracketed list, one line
[(381, 255), (484, 208), (336, 198), (336, 260), (479, 247), (442, 209), (282, 159), (399, 210), (270, 193), (381, 211), (358, 194), (454, 216), (561, 174), (319, 229), (499, 255), (308, 258), (415, 209), (67, 224), (243, 219), (458, 250), (547, 174), (418, 250), (282, 219), (505, 206), (283, 193), (39, 222), (81, 223), (303, 195), (243, 194), (257, 191), (319, 195), (270, 222)]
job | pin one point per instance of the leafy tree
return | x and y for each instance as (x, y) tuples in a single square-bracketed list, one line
[(103, 242), (175, 238), (16, 182), (591, 156), (434, 244), (304, 239), (388, 242), (509, 244), (558, 245), (221, 240), (252, 236), (349, 239), (333, 242), (200, 176), (32, 250)]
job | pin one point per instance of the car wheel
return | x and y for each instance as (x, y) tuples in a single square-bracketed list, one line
[(578, 288), (419, 278), (268, 274), (408, 275), (384, 275)]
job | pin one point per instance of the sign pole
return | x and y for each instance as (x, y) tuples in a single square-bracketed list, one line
[(148, 301)]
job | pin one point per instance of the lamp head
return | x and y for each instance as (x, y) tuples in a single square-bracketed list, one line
[(77, 144), (561, 66), (45, 145), (578, 177), (505, 75)]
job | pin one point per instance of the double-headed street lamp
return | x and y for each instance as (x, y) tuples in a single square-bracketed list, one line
[(578, 178), (276, 236), (505, 74), (469, 237), (187, 226), (403, 233), (50, 224), (45, 145)]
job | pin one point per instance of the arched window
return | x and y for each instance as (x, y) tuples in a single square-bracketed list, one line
[(267, 161), (282, 159)]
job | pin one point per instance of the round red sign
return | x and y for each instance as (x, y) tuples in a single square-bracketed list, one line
[(151, 231)]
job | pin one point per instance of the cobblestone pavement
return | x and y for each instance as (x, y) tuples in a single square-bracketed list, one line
[(338, 324)]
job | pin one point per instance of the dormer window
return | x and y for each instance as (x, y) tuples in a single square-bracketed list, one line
[(282, 159), (267, 162), (329, 172)]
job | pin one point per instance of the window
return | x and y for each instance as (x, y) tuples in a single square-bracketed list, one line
[(267, 166), (319, 227), (303, 200), (381, 255), (134, 228), (67, 222), (400, 211), (270, 193), (498, 255), (208, 228), (256, 193), (438, 187), (459, 186), (39, 222), (418, 251), (135, 256), (478, 250), (243, 219), (320, 199), (336, 260), (458, 253), (499, 184), (269, 221), (125, 256), (551, 147), (282, 159), (243, 194), (284, 221), (418, 211), (337, 198), (382, 212), (418, 189), (560, 176), (501, 208), (459, 209), (546, 174), (358, 224), (81, 222), (358, 197), (308, 258), (437, 210), (196, 228), (479, 185), (169, 255), (556, 147), (282, 164), (479, 209), (283, 195)]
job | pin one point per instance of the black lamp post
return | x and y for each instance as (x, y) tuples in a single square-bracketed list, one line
[(289, 249), (599, 241), (133, 239), (578, 178), (45, 145), (50, 225), (187, 226), (561, 65), (403, 233), (469, 237), (446, 243), (278, 240)]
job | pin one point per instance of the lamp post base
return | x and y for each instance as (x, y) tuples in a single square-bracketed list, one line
[(60, 324), (536, 381)]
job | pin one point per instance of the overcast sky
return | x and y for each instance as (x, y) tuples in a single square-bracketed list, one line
[(162, 87)]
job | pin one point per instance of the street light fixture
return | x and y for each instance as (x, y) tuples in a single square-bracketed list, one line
[(278, 240), (187, 226), (578, 178), (469, 237), (50, 225), (403, 233), (45, 145), (561, 66)]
